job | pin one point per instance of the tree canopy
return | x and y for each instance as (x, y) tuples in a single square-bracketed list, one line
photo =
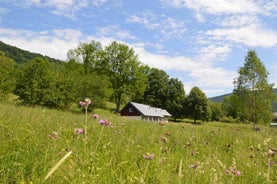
[(197, 105), (255, 95)]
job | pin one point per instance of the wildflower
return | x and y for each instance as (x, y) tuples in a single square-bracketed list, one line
[(167, 133), (80, 131), (148, 156), (194, 166), (164, 139), (193, 152), (187, 144), (237, 173), (232, 170), (53, 135), (102, 122), (167, 150), (95, 116), (108, 123), (270, 153), (81, 103), (86, 103)]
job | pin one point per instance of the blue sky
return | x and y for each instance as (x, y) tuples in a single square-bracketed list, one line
[(200, 42)]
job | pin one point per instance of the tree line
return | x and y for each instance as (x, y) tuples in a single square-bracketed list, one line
[(114, 73)]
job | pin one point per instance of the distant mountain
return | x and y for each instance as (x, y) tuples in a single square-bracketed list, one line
[(221, 97), (21, 56)]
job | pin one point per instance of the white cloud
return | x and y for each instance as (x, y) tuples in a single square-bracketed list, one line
[(252, 36), (99, 2), (214, 53), (147, 19), (66, 8), (167, 26), (237, 21), (218, 6), (116, 32), (53, 43), (200, 17)]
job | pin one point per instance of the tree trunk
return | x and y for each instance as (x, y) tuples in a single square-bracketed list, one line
[(118, 102)]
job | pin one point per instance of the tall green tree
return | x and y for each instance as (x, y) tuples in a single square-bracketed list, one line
[(157, 90), (197, 105), (122, 66), (254, 92), (175, 98), (7, 77), (89, 54)]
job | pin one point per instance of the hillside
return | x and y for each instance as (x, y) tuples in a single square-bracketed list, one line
[(221, 97), (21, 56)]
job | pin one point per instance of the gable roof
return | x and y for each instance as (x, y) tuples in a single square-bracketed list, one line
[(146, 110)]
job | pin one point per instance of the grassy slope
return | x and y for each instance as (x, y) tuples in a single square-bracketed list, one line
[(183, 153)]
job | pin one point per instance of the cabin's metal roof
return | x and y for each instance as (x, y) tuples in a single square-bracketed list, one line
[(146, 110)]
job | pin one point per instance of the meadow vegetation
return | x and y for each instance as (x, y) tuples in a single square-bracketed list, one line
[(34, 140)]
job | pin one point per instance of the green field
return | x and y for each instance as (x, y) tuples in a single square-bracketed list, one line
[(129, 151)]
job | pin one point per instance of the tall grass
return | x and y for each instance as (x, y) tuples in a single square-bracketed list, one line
[(129, 151)]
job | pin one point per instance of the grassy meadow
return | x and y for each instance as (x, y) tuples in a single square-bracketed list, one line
[(34, 140)]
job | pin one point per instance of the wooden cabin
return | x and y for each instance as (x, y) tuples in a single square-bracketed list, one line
[(144, 112)]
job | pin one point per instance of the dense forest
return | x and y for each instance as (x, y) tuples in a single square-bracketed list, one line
[(114, 73)]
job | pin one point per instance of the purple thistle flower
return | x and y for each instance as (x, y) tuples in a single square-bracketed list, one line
[(102, 122), (109, 123), (148, 156), (95, 116), (80, 131), (81, 103), (237, 173)]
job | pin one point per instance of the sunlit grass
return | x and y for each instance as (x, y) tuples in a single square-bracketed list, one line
[(129, 151)]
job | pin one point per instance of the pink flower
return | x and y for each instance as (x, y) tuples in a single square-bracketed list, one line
[(86, 103), (81, 103), (148, 156), (95, 116), (108, 123), (80, 131), (237, 173), (102, 122)]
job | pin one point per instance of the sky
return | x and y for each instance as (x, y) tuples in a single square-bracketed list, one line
[(201, 42)]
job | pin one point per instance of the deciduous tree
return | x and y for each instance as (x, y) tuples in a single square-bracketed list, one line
[(175, 98), (197, 105), (255, 95), (122, 66)]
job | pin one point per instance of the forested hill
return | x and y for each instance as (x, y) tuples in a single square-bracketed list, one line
[(221, 97), (22, 56)]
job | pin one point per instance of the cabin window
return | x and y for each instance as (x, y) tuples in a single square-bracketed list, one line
[(131, 109)]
